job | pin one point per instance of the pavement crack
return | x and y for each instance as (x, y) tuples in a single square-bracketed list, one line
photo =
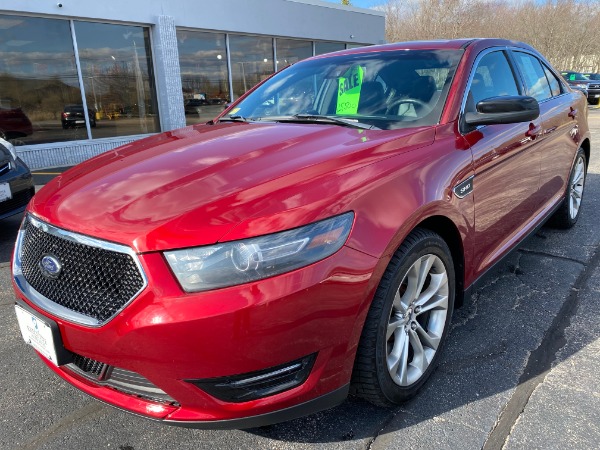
[(82, 414), (383, 427), (550, 255), (472, 359), (466, 313), (541, 360)]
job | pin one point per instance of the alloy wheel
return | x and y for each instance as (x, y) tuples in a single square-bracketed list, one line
[(576, 189), (417, 320)]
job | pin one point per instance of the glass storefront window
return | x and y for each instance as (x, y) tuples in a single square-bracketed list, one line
[(290, 51), (116, 68), (204, 75), (322, 47), (38, 80), (251, 61), (348, 46)]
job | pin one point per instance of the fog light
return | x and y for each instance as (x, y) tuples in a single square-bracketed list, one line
[(254, 385)]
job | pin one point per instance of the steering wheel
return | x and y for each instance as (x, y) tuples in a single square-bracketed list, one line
[(408, 100)]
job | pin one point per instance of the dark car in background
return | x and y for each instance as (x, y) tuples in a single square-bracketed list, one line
[(193, 105), (592, 76), (14, 123), (16, 182), (579, 81), (73, 117)]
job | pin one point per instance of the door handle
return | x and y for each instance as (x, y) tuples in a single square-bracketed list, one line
[(572, 113)]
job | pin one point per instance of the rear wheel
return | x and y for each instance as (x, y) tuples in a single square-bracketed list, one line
[(407, 323), (568, 212)]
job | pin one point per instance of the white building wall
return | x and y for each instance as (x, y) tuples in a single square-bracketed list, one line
[(305, 19)]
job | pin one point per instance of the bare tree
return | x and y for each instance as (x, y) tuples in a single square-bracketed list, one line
[(562, 30)]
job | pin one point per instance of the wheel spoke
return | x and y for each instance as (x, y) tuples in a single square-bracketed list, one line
[(428, 340), (398, 358), (419, 362), (412, 283), (392, 327), (403, 374), (438, 282), (436, 302), (424, 268), (398, 303)]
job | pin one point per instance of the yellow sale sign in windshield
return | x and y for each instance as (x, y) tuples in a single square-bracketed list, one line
[(349, 90)]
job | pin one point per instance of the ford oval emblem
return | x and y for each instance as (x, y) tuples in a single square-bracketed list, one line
[(50, 266)]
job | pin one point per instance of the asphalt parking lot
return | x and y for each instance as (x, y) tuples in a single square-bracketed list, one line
[(519, 370)]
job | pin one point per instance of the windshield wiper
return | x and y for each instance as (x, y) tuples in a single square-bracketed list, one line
[(336, 120), (235, 118)]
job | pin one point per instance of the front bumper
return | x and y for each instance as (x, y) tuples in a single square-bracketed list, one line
[(170, 337), (593, 93)]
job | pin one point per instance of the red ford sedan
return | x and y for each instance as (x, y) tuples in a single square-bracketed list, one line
[(310, 242)]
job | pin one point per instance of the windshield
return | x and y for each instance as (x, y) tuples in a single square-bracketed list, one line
[(388, 90), (574, 76)]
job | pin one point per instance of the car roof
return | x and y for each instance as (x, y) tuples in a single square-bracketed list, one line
[(447, 44)]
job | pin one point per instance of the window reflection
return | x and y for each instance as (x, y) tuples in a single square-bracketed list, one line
[(119, 86), (290, 51), (328, 47), (38, 78), (204, 76), (251, 61), (535, 78)]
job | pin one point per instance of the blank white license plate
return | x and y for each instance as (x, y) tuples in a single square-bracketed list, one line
[(5, 193), (37, 333), (80, 121), (597, 95)]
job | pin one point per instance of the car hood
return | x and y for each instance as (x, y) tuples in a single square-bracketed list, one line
[(193, 185)]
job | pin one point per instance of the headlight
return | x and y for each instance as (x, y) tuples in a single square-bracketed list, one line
[(583, 86), (237, 262)]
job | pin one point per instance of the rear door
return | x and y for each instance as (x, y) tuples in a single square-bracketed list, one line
[(558, 110)]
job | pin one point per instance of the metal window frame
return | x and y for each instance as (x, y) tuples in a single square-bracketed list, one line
[(80, 77)]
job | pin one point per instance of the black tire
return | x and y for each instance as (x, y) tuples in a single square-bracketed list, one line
[(371, 378), (564, 217)]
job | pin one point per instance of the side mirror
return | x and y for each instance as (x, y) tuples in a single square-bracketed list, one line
[(505, 109)]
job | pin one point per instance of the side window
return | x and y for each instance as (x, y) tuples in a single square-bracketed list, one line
[(535, 78), (493, 78), (554, 83)]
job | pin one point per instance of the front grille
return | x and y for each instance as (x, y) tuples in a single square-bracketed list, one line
[(126, 381), (95, 282), (19, 200), (594, 86)]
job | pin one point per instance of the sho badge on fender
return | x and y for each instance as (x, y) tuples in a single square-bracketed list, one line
[(463, 189)]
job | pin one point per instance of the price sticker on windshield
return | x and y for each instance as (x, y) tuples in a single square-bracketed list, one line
[(349, 86)]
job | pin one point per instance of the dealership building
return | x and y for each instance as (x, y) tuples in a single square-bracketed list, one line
[(80, 78)]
